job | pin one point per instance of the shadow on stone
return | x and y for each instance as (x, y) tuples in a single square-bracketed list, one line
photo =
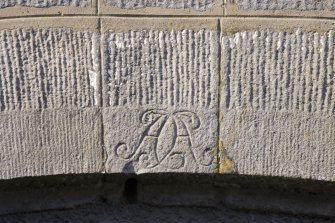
[(249, 196)]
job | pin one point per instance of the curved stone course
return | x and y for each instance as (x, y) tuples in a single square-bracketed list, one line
[(305, 5), (167, 87), (164, 81), (278, 98), (45, 3), (200, 5), (291, 8), (161, 7)]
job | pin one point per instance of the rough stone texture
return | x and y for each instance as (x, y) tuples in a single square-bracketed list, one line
[(169, 4), (159, 7), (161, 97), (49, 143), (47, 74), (278, 102), (48, 68), (121, 102), (17, 8), (313, 8), (266, 70), (45, 3), (328, 5), (280, 143)]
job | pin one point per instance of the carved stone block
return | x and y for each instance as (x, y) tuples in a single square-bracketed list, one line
[(310, 8), (46, 65), (45, 3), (159, 7), (48, 97), (161, 95), (17, 8), (278, 100)]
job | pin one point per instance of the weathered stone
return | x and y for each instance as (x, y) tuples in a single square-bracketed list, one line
[(314, 8), (280, 143), (46, 71), (278, 100), (50, 142), (169, 4), (159, 7), (48, 68), (10, 8), (161, 95), (328, 5), (45, 3)]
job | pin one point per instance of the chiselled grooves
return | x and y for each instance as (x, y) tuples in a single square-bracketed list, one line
[(47, 68), (326, 5), (44, 3), (178, 72), (199, 5), (268, 70)]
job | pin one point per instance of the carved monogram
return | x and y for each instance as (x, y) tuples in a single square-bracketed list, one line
[(167, 140)]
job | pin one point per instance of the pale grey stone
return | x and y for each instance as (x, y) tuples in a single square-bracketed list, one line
[(45, 3), (278, 103), (48, 68), (50, 143), (157, 139), (200, 5), (44, 73), (162, 101), (305, 5), (278, 143)]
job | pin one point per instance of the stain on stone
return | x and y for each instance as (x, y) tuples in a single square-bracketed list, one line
[(225, 164), (278, 103)]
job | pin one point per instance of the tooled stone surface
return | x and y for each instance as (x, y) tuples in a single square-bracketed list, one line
[(44, 3), (46, 75), (327, 5), (161, 89), (278, 103), (47, 69), (50, 143), (173, 4)]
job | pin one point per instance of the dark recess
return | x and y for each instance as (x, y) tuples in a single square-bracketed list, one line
[(130, 190)]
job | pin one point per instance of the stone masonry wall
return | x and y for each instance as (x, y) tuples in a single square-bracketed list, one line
[(207, 86)]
